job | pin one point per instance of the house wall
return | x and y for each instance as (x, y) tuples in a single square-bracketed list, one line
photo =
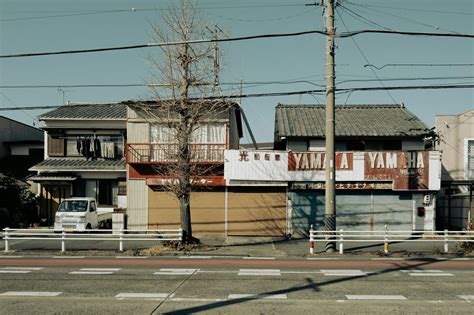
[(453, 130), (11, 130)]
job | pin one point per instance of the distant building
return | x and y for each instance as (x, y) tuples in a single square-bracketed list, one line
[(384, 176), (21, 146), (456, 143), (84, 156)]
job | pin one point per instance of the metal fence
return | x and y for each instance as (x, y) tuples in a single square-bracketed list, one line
[(386, 236), (63, 236)]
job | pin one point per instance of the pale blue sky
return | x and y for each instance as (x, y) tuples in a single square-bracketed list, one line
[(47, 25)]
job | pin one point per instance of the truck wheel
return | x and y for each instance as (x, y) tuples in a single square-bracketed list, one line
[(88, 227)]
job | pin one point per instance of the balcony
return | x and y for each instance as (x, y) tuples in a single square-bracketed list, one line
[(159, 153)]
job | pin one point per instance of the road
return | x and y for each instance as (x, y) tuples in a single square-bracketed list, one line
[(254, 285)]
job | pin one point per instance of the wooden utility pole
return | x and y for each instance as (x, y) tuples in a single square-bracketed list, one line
[(330, 209)]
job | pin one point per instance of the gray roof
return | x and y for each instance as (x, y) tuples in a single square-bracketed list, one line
[(351, 121), (77, 164), (114, 111), (52, 178)]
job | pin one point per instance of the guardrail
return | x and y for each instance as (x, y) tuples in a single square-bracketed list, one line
[(63, 236), (341, 236)]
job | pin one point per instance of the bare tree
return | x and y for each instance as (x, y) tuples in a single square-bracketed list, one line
[(184, 102)]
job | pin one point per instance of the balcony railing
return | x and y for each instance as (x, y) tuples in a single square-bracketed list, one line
[(155, 153)]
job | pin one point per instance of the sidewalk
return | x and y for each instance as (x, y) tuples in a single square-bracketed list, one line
[(234, 246)]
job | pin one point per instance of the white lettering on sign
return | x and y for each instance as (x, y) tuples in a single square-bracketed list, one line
[(317, 161), (391, 160)]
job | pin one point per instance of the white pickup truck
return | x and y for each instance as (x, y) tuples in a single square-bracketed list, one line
[(80, 214)]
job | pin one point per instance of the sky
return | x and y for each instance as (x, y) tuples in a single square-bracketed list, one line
[(262, 65)]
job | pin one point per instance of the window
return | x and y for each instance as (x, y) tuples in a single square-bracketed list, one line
[(93, 208), (470, 159), (104, 191), (103, 146)]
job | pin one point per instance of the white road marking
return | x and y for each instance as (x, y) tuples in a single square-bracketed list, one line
[(427, 273), (339, 272), (23, 268), (131, 257), (259, 272), (463, 258), (195, 257), (142, 296), (169, 271), (301, 272), (95, 271), (322, 258), (388, 258), (30, 293), (194, 300), (467, 298), (68, 257), (261, 258), (431, 274), (375, 297), (258, 296), (15, 271)]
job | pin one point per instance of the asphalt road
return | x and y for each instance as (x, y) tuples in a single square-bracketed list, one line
[(258, 285)]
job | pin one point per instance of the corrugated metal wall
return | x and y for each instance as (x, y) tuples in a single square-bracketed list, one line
[(207, 211), (137, 204), (355, 210), (257, 211)]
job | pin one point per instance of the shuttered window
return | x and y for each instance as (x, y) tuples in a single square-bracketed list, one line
[(55, 146)]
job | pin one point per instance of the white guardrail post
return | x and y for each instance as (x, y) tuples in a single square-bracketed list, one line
[(385, 241), (341, 242), (5, 237), (121, 240), (63, 240), (311, 241), (446, 249)]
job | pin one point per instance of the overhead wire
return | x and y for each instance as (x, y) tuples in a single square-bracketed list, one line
[(363, 55), (289, 93)]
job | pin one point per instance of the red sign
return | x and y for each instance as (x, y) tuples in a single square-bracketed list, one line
[(408, 170), (201, 181), (316, 161)]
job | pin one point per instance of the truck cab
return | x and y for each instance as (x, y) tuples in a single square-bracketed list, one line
[(77, 214)]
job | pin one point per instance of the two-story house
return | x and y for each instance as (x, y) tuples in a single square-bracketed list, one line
[(150, 153), (384, 175), (84, 156), (456, 142)]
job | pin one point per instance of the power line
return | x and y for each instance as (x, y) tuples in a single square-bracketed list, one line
[(233, 39), (365, 58), (133, 10), (412, 9), (315, 91), (420, 65)]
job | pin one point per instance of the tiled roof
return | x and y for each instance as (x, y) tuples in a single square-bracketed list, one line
[(76, 164), (351, 121), (115, 111)]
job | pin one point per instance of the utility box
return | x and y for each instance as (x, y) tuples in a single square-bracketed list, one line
[(118, 222)]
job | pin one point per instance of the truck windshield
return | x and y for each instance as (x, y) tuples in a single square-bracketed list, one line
[(73, 206)]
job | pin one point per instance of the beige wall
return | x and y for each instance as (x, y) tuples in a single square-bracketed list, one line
[(207, 211), (453, 131)]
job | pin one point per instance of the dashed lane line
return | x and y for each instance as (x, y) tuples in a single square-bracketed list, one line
[(427, 273), (323, 258), (376, 297), (11, 257), (19, 270), (131, 257), (467, 298), (343, 273), (30, 293), (258, 296), (148, 296), (95, 271), (259, 272), (172, 272), (23, 268), (259, 258)]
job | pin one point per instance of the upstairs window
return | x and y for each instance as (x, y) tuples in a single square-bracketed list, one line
[(470, 160)]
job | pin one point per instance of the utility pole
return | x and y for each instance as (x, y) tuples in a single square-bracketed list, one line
[(330, 170), (215, 57)]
